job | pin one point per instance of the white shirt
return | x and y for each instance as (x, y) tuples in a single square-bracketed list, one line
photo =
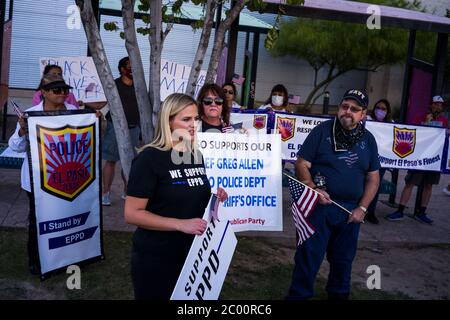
[(19, 144), (269, 106)]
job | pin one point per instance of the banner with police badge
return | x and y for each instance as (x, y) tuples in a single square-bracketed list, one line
[(65, 178), (404, 146), (294, 129)]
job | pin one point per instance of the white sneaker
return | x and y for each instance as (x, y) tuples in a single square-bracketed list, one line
[(124, 196), (446, 191), (106, 199)]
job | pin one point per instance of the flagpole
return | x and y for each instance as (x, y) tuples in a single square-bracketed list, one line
[(335, 203)]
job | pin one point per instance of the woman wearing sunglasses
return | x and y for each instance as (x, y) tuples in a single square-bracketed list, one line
[(54, 70), (214, 112), (54, 93), (230, 94)]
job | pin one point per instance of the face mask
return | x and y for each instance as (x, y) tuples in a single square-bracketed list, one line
[(277, 100), (380, 114), (129, 73)]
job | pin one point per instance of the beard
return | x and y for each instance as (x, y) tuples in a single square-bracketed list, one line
[(347, 122)]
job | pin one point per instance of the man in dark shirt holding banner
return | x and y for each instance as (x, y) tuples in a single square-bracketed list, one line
[(339, 161)]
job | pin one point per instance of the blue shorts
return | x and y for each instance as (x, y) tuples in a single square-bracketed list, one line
[(110, 152)]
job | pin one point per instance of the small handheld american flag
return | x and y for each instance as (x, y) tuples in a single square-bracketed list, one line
[(214, 207), (304, 200), (17, 109)]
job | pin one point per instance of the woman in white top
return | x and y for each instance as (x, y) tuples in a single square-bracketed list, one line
[(277, 101), (54, 93)]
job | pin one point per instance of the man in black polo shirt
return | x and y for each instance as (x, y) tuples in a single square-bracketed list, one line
[(110, 151)]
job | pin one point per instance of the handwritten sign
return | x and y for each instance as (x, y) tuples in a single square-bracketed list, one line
[(175, 76), (81, 74)]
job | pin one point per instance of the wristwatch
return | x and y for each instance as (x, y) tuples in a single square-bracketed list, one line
[(364, 209)]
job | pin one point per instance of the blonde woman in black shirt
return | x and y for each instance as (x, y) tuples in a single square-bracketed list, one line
[(167, 194)]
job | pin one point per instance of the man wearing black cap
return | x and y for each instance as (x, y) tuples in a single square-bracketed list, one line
[(54, 92), (341, 158)]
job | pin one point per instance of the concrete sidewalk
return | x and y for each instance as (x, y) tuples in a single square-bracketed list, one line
[(14, 210)]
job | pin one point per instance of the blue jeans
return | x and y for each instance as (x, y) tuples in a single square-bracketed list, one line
[(338, 240)]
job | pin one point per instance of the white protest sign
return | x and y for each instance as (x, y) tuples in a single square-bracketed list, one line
[(248, 167), (66, 185), (294, 129), (251, 122), (207, 262), (81, 74), (175, 76), (408, 147)]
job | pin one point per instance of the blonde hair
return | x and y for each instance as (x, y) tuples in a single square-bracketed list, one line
[(174, 104)]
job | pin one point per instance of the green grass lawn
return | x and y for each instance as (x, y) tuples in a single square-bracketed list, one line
[(260, 269)]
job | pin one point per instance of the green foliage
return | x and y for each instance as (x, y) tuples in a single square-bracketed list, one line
[(111, 26), (344, 46), (347, 46)]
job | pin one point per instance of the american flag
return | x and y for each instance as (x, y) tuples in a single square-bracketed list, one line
[(238, 79), (214, 207), (232, 127), (17, 109), (303, 202)]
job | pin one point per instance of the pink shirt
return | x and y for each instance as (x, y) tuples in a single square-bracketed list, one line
[(37, 98)]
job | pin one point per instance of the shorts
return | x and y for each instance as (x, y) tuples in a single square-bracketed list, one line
[(110, 152), (417, 177)]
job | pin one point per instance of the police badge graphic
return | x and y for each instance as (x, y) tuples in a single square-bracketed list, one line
[(286, 127), (404, 141), (66, 159), (259, 121)]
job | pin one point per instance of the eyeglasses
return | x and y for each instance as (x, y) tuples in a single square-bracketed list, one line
[(228, 91), (59, 90), (208, 101), (353, 109)]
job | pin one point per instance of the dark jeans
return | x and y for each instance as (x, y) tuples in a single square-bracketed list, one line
[(32, 245), (338, 240), (373, 205)]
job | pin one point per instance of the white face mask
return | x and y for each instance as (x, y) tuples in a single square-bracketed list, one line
[(277, 101)]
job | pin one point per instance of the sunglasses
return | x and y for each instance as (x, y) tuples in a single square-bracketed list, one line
[(208, 101), (59, 90), (228, 91), (353, 109)]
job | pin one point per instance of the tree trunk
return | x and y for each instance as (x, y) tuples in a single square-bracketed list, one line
[(202, 47), (219, 41), (95, 43), (156, 45), (131, 44), (327, 80)]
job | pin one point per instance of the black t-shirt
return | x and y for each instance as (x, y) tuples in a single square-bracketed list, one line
[(129, 102), (174, 190), (206, 127)]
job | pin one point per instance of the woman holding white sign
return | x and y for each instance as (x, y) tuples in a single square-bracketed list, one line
[(167, 194)]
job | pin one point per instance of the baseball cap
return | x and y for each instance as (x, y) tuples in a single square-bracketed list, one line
[(359, 96), (437, 99), (51, 81)]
